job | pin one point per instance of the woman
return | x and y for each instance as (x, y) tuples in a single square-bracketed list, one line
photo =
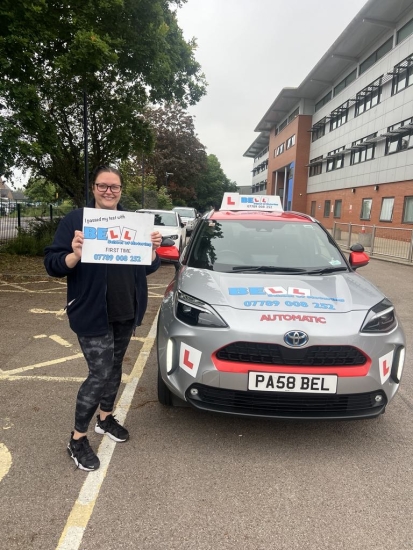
[(104, 305)]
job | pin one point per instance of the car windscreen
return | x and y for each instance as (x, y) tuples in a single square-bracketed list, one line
[(235, 245), (185, 212), (167, 218)]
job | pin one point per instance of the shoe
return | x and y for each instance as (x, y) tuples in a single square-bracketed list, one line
[(83, 454), (111, 427)]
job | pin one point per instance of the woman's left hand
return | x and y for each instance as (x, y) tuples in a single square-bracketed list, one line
[(156, 240)]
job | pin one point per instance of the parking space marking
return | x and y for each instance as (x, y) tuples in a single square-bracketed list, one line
[(82, 510), (9, 374), (5, 460), (60, 340), (58, 312)]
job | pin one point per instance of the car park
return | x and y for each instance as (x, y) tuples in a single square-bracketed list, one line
[(188, 215), (169, 224), (266, 316)]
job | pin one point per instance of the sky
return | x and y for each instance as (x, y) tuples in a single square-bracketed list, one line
[(249, 50)]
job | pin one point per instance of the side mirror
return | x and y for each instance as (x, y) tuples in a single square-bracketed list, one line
[(167, 241), (358, 258)]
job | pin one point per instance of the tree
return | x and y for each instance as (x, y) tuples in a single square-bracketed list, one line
[(119, 54), (39, 190), (212, 185), (177, 152)]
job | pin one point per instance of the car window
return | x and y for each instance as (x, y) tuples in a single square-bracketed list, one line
[(167, 218), (186, 212), (222, 245)]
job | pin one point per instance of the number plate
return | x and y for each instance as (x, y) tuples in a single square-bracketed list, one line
[(295, 383)]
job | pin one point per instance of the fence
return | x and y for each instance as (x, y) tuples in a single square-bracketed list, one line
[(395, 242), (15, 216)]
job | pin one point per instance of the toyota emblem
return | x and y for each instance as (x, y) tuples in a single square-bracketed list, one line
[(295, 338)]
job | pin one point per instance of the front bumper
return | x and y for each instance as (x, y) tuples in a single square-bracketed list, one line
[(287, 405)]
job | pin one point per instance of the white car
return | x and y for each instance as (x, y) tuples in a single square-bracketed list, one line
[(189, 216), (169, 224)]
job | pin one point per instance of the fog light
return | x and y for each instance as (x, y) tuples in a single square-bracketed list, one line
[(194, 391), (378, 398)]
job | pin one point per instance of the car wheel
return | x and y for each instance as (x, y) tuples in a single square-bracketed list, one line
[(164, 393)]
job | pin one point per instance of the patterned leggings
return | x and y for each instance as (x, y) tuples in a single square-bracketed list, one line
[(104, 356)]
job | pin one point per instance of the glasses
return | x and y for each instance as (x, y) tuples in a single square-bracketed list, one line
[(103, 187)]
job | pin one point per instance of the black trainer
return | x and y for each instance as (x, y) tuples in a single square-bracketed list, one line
[(83, 454), (111, 427)]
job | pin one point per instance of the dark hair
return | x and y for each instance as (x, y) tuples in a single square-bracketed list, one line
[(105, 168)]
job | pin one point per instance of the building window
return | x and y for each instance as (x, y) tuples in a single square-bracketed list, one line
[(280, 149), (386, 212), (401, 139), (405, 31), (323, 101), (362, 150), (367, 98), (313, 208), (327, 206), (294, 115), (316, 166), (345, 82), (319, 131), (403, 75), (335, 160), (282, 125), (408, 210), (290, 141), (375, 56), (339, 117), (366, 209), (337, 208)]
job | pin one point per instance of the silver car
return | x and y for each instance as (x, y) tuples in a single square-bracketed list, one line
[(266, 317)]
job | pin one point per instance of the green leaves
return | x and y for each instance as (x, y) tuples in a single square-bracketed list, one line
[(120, 54)]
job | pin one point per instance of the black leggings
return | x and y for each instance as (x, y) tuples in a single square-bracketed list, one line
[(104, 356)]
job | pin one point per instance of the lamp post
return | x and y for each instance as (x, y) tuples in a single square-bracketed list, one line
[(167, 174)]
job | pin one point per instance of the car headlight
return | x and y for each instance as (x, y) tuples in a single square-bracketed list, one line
[(381, 318), (195, 312)]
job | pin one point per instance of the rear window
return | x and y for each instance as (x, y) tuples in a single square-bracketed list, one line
[(224, 244), (164, 218), (185, 212)]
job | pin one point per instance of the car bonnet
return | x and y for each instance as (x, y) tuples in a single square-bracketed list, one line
[(345, 291)]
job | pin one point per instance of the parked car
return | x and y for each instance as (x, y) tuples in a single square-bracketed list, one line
[(169, 224), (267, 317), (189, 217)]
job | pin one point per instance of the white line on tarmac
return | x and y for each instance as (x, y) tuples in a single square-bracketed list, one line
[(5, 460), (59, 340), (82, 510), (10, 373)]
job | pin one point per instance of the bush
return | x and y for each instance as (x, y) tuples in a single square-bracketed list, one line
[(33, 240)]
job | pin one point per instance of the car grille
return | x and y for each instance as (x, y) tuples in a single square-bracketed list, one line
[(274, 354), (287, 405)]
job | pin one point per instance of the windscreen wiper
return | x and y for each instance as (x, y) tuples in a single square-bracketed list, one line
[(264, 268), (325, 270)]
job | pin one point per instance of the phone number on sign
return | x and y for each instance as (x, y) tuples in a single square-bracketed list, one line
[(118, 258)]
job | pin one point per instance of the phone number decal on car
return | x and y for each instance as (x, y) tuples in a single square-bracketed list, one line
[(287, 303)]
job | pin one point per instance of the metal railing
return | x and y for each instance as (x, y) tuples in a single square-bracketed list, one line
[(15, 216), (394, 242)]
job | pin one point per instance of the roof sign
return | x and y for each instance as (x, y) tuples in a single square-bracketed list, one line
[(235, 201)]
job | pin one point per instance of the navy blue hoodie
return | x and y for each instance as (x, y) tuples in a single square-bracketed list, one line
[(86, 283)]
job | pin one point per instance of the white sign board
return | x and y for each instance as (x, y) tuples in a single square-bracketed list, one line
[(235, 201), (117, 237)]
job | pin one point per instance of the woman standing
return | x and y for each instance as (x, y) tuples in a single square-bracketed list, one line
[(104, 305)]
